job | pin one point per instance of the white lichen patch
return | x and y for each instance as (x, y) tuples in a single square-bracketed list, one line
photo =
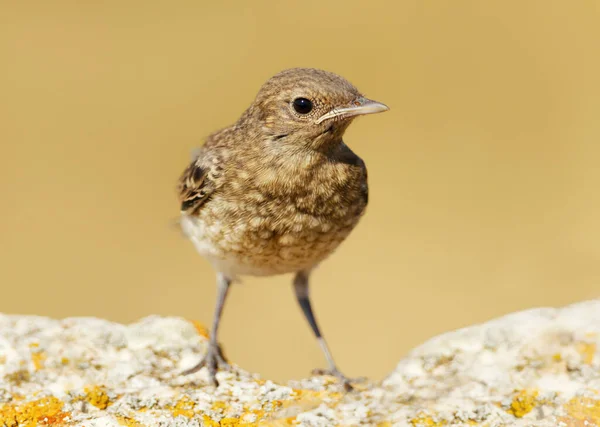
[(535, 368)]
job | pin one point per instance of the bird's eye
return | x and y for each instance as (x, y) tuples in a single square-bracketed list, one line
[(302, 105)]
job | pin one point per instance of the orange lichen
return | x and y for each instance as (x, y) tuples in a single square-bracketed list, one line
[(276, 404), (284, 412), (200, 328), (45, 411), (38, 360), (301, 394), (184, 406), (523, 403), (232, 422), (258, 413), (582, 411), (209, 422), (219, 406), (268, 416), (128, 422), (239, 422), (37, 356), (97, 396), (424, 420)]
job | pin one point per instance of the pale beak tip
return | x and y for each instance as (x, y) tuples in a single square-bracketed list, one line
[(370, 107)]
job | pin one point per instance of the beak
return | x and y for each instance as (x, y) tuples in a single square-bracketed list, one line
[(360, 107)]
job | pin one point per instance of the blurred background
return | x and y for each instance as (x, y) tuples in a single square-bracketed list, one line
[(484, 175)]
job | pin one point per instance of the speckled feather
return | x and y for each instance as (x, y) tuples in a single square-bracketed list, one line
[(275, 192)]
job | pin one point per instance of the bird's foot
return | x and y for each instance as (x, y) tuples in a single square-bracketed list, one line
[(347, 382), (213, 360)]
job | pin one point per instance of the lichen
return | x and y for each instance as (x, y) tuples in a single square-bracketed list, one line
[(183, 406), (230, 422), (18, 377), (523, 403), (97, 397), (139, 368), (209, 422), (273, 419), (424, 420), (314, 395), (38, 359), (128, 422), (200, 328), (219, 406), (45, 411), (583, 409)]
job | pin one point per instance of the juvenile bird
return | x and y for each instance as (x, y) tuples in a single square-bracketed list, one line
[(277, 191)]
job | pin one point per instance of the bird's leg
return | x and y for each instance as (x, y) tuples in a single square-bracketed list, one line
[(302, 295), (214, 359)]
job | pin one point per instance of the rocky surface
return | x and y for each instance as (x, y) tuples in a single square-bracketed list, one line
[(535, 368)]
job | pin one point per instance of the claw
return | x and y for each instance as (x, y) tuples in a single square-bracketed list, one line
[(347, 382), (213, 360)]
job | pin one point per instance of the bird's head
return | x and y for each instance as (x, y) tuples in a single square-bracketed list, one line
[(309, 107)]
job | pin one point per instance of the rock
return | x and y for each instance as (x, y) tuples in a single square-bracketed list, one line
[(535, 368)]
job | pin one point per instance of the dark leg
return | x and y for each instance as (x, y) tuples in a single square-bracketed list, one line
[(214, 358), (302, 295)]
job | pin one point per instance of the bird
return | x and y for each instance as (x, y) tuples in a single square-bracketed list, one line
[(277, 192)]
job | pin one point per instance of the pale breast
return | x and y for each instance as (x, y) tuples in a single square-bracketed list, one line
[(266, 238), (254, 242), (261, 224)]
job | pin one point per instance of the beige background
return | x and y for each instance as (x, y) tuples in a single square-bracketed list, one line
[(484, 175)]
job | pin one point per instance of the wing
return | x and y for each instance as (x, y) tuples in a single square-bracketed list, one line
[(194, 187)]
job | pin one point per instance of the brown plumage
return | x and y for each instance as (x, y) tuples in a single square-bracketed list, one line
[(278, 191)]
